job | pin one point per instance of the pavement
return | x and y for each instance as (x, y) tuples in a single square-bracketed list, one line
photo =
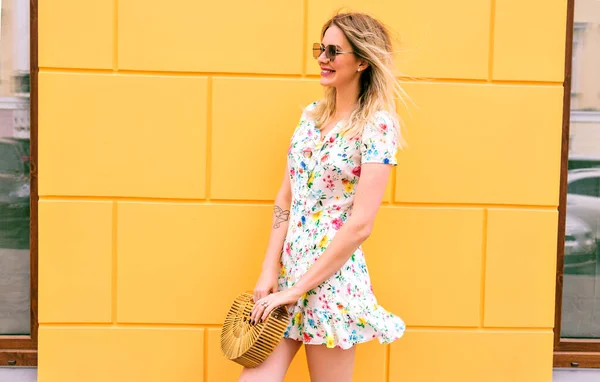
[(560, 375)]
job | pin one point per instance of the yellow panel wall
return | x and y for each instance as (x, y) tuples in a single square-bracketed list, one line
[(163, 129)]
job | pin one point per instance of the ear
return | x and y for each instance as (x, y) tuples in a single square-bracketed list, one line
[(363, 65)]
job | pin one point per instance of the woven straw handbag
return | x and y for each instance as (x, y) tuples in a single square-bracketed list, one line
[(247, 344)]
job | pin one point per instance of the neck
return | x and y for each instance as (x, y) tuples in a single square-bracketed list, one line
[(346, 100)]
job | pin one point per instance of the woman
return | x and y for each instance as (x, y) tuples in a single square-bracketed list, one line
[(339, 162)]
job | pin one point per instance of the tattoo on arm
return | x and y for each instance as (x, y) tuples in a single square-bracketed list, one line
[(280, 216)]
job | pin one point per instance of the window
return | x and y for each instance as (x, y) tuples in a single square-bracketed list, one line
[(577, 322), (578, 33), (18, 183)]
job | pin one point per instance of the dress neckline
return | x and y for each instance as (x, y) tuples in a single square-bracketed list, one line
[(320, 136)]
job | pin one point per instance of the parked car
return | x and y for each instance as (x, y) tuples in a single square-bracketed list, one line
[(14, 193), (583, 161), (583, 197), (580, 246)]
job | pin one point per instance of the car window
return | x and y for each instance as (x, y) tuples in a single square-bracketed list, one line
[(586, 186)]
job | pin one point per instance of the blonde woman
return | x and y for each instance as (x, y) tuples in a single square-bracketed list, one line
[(338, 165)]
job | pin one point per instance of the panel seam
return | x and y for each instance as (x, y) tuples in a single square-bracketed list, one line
[(491, 41), (305, 38), (205, 356), (268, 76), (483, 268), (115, 63), (269, 202), (114, 258), (208, 143)]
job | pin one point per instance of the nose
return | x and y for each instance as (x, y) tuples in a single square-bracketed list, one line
[(323, 58)]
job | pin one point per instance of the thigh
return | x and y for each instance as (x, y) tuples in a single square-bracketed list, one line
[(273, 369), (326, 365)]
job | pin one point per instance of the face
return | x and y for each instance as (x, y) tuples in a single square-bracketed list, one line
[(344, 70)]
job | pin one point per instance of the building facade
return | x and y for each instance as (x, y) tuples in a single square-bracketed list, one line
[(163, 130)]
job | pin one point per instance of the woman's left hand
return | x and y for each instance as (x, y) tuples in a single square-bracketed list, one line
[(264, 306)]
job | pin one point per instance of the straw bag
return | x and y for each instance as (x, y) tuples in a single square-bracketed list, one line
[(247, 344)]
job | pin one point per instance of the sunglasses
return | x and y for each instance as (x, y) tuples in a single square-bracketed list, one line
[(330, 51)]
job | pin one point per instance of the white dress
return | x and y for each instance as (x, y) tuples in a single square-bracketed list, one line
[(343, 310)]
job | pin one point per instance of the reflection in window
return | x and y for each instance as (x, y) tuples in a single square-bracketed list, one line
[(586, 186), (581, 287), (14, 168), (578, 31)]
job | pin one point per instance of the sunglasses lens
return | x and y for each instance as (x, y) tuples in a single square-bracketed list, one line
[(316, 50), (330, 52)]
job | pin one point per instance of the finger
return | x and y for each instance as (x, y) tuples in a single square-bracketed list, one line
[(259, 314), (268, 309), (257, 295), (266, 312), (253, 313), (256, 313), (260, 293)]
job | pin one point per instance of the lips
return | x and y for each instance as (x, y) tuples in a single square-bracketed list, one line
[(326, 71)]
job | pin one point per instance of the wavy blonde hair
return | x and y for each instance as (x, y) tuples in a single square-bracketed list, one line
[(371, 41)]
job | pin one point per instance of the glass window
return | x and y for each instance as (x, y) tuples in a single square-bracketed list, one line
[(14, 168), (581, 286)]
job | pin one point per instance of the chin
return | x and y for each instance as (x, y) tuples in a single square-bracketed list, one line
[(326, 81)]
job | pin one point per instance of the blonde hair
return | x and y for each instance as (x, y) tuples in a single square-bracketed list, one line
[(370, 40)]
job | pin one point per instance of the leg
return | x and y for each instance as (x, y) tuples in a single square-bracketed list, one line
[(273, 369), (326, 365)]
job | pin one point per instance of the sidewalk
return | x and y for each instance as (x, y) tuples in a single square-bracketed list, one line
[(30, 375)]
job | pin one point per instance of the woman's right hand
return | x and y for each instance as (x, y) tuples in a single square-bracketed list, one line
[(266, 284)]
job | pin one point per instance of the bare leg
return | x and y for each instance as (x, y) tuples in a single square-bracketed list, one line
[(273, 369), (326, 365)]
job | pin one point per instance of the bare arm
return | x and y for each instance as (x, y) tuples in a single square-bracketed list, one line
[(281, 215), (369, 194), (267, 282), (378, 151)]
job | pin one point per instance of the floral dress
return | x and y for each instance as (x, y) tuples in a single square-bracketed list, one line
[(343, 310)]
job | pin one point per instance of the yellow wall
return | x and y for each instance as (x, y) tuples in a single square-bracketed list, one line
[(163, 128)]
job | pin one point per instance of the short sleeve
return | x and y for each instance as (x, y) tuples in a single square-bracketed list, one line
[(310, 107), (306, 112), (379, 142), (301, 126)]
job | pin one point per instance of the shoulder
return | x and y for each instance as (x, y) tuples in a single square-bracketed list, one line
[(379, 142), (303, 126), (382, 122), (308, 112), (310, 107), (385, 120)]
